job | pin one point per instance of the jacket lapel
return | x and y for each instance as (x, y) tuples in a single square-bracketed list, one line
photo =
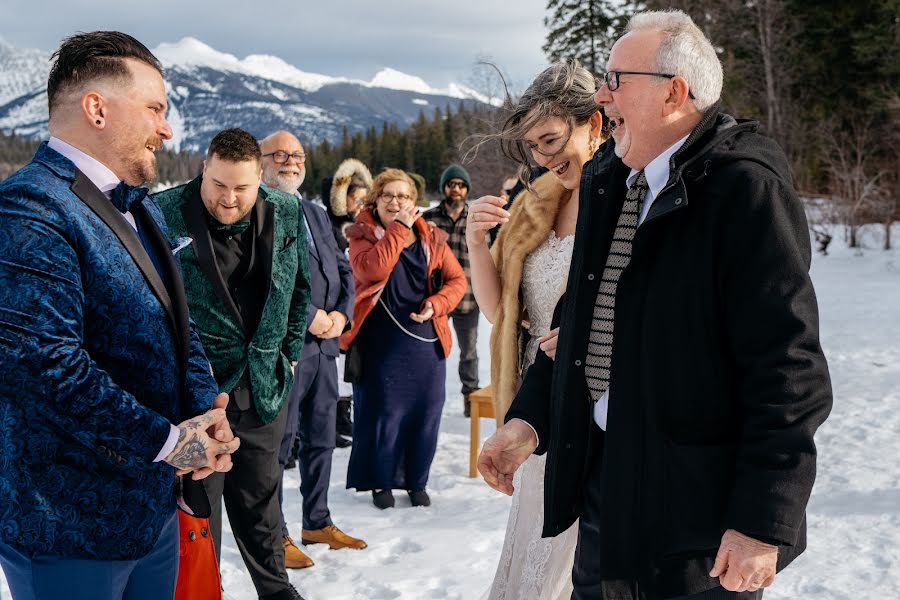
[(173, 274), (195, 217), (110, 215), (265, 245)]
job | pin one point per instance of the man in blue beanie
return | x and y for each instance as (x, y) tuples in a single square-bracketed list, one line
[(450, 215)]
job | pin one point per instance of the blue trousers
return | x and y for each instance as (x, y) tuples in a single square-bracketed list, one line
[(53, 577), (312, 411)]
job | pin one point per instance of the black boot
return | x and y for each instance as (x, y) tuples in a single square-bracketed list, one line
[(344, 423), (467, 406), (289, 594), (342, 442)]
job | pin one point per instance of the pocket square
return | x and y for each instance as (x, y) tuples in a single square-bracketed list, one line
[(180, 244)]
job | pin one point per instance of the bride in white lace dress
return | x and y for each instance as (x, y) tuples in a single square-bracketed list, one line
[(517, 284)]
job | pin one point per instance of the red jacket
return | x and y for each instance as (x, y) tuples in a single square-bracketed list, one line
[(375, 250)]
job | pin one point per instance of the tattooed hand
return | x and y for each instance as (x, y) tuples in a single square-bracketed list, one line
[(204, 444)]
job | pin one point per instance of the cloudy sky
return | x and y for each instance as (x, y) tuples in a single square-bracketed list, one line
[(438, 41)]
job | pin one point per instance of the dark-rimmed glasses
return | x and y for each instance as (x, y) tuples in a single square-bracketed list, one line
[(280, 156), (400, 198), (612, 78)]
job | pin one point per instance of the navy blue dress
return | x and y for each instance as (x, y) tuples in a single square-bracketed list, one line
[(397, 405)]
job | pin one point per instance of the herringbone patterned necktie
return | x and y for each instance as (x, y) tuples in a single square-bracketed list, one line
[(600, 342)]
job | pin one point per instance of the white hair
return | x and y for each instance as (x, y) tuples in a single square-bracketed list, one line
[(684, 51)]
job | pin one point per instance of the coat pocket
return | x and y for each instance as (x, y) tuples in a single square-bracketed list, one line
[(698, 480)]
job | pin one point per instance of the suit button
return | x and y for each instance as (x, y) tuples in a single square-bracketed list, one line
[(590, 276), (192, 535), (677, 201), (601, 191), (204, 532), (577, 362), (568, 445)]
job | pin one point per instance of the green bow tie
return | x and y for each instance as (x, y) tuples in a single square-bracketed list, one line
[(231, 230)]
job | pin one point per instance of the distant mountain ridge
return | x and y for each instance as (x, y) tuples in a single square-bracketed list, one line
[(210, 90)]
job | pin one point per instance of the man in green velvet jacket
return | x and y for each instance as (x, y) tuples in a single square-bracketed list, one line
[(246, 276)]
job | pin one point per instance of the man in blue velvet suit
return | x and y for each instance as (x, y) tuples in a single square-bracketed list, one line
[(98, 357), (312, 405)]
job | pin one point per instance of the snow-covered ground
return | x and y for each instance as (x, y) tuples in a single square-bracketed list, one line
[(449, 551)]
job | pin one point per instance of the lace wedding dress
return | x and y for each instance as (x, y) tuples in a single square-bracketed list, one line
[(532, 567)]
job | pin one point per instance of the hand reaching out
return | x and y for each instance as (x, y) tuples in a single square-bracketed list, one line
[(504, 452)]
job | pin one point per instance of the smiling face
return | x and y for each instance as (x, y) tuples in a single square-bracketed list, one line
[(636, 109), (394, 196), (547, 140), (229, 189), (286, 176), (136, 124)]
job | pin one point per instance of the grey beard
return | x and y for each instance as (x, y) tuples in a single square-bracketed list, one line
[(454, 203)]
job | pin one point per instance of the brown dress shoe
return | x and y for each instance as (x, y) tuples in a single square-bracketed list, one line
[(294, 558), (334, 537)]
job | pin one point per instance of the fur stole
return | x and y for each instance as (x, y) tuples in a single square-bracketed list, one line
[(531, 219)]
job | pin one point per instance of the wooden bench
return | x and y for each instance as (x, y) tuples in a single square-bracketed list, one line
[(481, 407)]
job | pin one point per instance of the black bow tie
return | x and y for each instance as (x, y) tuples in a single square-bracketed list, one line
[(124, 196)]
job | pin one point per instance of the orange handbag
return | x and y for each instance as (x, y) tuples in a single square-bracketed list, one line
[(198, 571)]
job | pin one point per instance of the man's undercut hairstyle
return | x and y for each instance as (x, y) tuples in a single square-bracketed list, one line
[(87, 57), (234, 145), (684, 51)]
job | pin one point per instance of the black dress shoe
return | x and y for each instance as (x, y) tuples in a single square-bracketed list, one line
[(290, 464), (289, 594), (342, 442), (383, 499), (419, 498)]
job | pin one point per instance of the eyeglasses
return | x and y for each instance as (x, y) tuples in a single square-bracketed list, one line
[(456, 184), (400, 198), (280, 156), (612, 78)]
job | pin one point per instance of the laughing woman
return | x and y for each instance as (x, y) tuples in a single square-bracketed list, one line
[(517, 283), (407, 282)]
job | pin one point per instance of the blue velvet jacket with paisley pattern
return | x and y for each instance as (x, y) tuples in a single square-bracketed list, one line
[(97, 358)]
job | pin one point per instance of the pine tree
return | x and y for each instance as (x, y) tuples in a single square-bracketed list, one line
[(584, 30)]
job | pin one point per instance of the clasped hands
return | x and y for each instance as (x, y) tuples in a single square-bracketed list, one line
[(205, 443), (328, 325), (742, 562)]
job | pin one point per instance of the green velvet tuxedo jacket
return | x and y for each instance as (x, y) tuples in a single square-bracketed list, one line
[(267, 352)]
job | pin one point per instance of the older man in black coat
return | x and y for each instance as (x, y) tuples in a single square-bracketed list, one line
[(689, 379)]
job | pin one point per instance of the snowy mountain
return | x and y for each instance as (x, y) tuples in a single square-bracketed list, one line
[(209, 90)]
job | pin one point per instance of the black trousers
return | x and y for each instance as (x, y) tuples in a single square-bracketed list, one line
[(631, 590), (250, 491), (587, 584)]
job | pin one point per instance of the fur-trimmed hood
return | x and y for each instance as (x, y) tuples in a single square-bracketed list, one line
[(531, 219), (341, 183)]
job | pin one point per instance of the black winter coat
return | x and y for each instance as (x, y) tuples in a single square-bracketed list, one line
[(718, 380)]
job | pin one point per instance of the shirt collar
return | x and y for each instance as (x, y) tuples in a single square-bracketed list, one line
[(657, 172), (99, 174)]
